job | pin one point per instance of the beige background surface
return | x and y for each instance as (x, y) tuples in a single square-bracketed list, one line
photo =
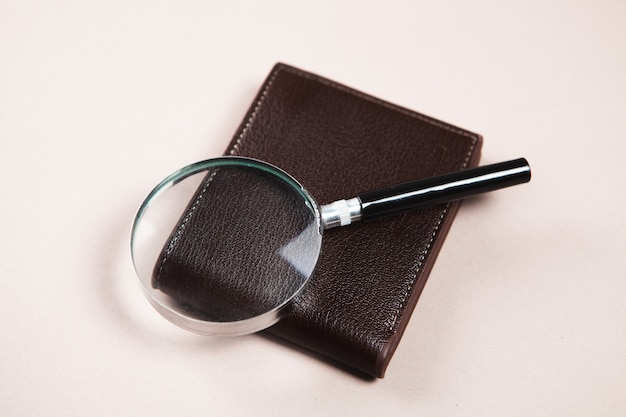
[(525, 311)]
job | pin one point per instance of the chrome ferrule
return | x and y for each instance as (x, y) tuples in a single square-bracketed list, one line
[(340, 213)]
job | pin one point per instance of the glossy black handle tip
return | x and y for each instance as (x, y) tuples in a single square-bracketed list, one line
[(444, 188)]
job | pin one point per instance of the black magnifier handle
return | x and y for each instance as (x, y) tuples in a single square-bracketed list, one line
[(426, 192)]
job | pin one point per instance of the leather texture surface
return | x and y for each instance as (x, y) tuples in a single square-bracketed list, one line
[(338, 142), (236, 253)]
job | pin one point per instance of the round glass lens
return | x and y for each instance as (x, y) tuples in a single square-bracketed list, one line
[(224, 245)]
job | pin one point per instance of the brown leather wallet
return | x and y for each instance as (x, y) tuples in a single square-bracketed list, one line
[(338, 142)]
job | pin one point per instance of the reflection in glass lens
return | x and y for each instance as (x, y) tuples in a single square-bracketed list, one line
[(227, 244)]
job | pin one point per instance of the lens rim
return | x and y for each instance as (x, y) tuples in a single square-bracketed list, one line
[(205, 327)]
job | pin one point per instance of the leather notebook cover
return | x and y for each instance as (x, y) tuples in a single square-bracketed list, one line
[(338, 142)]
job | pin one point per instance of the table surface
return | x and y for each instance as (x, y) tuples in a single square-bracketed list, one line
[(525, 310)]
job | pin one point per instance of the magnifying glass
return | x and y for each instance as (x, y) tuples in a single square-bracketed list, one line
[(250, 236)]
